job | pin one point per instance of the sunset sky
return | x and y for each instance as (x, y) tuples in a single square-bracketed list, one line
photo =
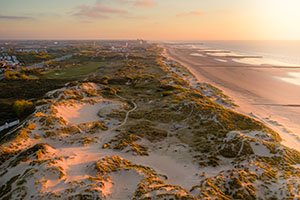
[(150, 19)]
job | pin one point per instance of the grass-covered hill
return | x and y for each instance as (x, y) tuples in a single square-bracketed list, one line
[(136, 129)]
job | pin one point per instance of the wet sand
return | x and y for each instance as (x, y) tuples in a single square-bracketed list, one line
[(259, 90)]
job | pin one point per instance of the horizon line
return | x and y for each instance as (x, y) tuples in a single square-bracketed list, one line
[(161, 40)]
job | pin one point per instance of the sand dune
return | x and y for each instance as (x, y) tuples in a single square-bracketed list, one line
[(253, 89)]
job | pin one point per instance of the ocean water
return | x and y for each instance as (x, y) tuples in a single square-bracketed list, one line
[(272, 52), (293, 78)]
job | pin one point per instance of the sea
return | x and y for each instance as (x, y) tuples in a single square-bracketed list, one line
[(271, 52)]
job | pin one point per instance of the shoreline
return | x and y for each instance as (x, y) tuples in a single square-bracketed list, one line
[(248, 101), (137, 129)]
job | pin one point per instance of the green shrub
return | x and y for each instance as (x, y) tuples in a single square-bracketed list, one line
[(11, 75), (23, 108)]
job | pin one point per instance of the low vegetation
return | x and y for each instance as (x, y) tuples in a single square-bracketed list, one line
[(23, 108), (77, 71), (148, 114)]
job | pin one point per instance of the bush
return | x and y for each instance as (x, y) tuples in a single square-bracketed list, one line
[(23, 108), (11, 75)]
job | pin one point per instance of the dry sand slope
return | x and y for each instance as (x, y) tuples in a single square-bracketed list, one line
[(77, 147)]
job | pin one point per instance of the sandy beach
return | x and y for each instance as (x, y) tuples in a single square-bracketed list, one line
[(268, 93)]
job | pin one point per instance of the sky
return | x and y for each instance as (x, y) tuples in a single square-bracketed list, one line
[(150, 19)]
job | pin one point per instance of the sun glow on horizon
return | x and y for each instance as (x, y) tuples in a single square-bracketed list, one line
[(152, 20), (280, 18)]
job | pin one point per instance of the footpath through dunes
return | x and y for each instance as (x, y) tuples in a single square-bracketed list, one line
[(141, 131)]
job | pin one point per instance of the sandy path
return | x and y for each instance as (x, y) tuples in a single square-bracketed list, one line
[(127, 113), (258, 91)]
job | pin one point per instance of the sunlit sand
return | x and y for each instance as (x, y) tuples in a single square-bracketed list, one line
[(292, 77)]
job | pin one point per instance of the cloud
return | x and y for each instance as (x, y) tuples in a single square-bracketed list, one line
[(11, 17), (47, 14), (136, 17), (137, 3), (97, 10), (191, 13), (103, 9), (145, 3)]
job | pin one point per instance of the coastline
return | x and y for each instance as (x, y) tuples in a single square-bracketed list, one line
[(142, 131), (255, 101)]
